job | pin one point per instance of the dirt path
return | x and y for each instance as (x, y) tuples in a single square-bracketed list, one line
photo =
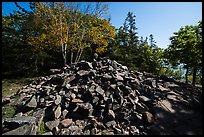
[(180, 113)]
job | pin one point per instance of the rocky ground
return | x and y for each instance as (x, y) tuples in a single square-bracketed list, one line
[(104, 97)]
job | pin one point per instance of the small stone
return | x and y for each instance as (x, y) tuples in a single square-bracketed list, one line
[(117, 130), (66, 122), (73, 128), (118, 77), (62, 92), (141, 108), (107, 76), (113, 86), (42, 100), (32, 103), (67, 86), (110, 123), (19, 114), (51, 124), (92, 89), (163, 88), (73, 96), (111, 114), (64, 113), (48, 133), (134, 130), (144, 98), (75, 100), (5, 101), (57, 112), (68, 80), (87, 132), (124, 67), (95, 99), (100, 90), (82, 73), (79, 123), (93, 131), (48, 103), (94, 122), (148, 117), (58, 100)]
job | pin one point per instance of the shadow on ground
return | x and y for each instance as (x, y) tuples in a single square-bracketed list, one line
[(180, 112)]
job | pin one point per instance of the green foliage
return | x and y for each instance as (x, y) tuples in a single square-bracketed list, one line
[(42, 129), (186, 48), (8, 111), (35, 41), (136, 54)]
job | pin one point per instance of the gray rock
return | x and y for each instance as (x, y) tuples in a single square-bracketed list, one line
[(58, 100), (144, 98), (87, 132), (119, 78), (110, 123), (86, 106), (55, 71), (67, 86), (57, 112), (119, 84), (19, 114), (21, 120), (66, 122), (83, 72), (68, 80), (141, 108), (64, 113), (27, 129), (48, 103), (5, 101), (107, 76), (113, 86), (42, 100), (148, 117), (48, 133), (100, 90), (73, 128), (73, 96), (52, 97), (124, 67), (134, 130), (51, 124), (95, 100), (111, 114), (116, 106), (32, 103), (117, 130), (39, 115), (62, 93), (93, 131), (92, 89)]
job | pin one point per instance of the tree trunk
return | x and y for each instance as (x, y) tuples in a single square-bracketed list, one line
[(186, 75), (71, 57), (80, 55), (36, 63), (64, 54), (194, 75), (77, 55)]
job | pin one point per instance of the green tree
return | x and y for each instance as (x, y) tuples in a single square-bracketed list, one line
[(64, 25), (186, 48), (152, 42)]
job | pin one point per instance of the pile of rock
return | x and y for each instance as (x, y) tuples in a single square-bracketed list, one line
[(101, 97)]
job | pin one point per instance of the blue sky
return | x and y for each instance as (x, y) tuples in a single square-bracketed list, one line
[(158, 18)]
